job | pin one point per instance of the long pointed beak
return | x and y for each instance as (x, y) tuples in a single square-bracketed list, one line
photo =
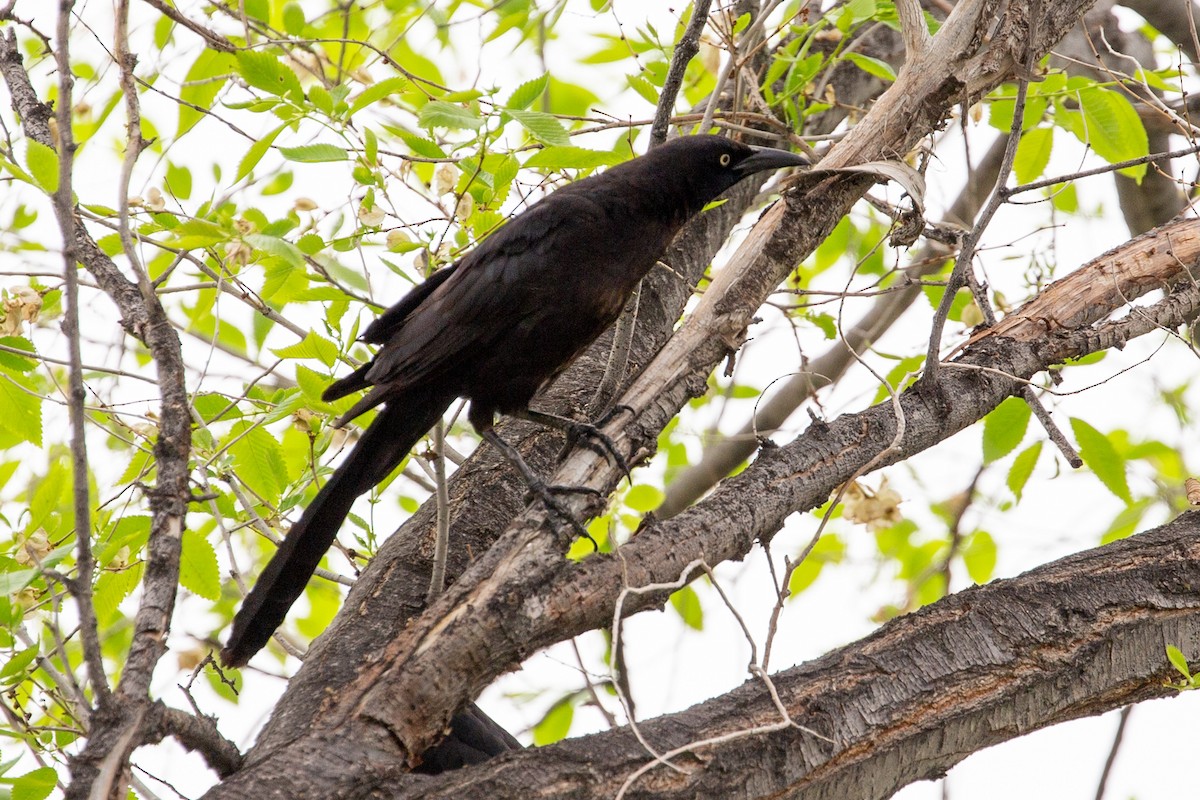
[(767, 158)]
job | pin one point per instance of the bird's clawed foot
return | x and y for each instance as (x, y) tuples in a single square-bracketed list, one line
[(540, 489), (595, 439)]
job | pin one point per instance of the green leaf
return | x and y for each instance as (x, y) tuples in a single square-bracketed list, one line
[(43, 165), (265, 71), (198, 570), (1022, 468), (1112, 127), (571, 157), (15, 668), (1004, 428), (179, 181), (1033, 154), (1178, 661), (542, 126), (314, 153), (111, 588), (311, 346), (378, 91), (872, 66), (20, 409), (979, 556), (555, 725), (11, 362), (440, 114), (204, 80), (687, 605), (1099, 454), (643, 87), (258, 460), (525, 94), (829, 549), (1126, 522), (35, 785), (644, 497), (277, 247), (195, 233), (256, 153), (293, 18)]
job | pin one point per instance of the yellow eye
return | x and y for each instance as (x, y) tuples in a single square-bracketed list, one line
[(725, 159)]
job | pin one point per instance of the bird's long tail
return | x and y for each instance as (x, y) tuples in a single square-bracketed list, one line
[(384, 444)]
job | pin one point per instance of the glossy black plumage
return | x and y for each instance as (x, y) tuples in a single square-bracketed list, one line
[(496, 327)]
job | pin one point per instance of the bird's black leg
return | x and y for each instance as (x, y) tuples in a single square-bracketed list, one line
[(538, 486), (601, 443)]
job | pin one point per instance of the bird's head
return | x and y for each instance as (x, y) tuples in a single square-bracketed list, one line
[(705, 166)]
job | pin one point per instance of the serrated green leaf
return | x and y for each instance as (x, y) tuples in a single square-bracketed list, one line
[(198, 569), (179, 181), (204, 80), (42, 162), (571, 157), (1102, 458), (11, 362), (36, 785), (258, 460), (1004, 428), (111, 588), (256, 153), (1033, 154), (265, 71), (644, 88), (20, 409), (1022, 468), (280, 248), (311, 346), (314, 153), (687, 605), (525, 94), (15, 668), (1113, 128), (542, 126), (440, 114), (378, 91), (872, 66), (194, 233)]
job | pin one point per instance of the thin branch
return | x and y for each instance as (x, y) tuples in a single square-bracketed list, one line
[(1112, 752), (81, 586), (959, 275), (685, 50)]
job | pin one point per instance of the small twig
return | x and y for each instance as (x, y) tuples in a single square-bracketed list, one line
[(1008, 192), (1112, 752), (1052, 430), (81, 586), (441, 546), (685, 49), (962, 264)]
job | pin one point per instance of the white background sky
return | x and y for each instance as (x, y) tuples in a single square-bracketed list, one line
[(672, 667)]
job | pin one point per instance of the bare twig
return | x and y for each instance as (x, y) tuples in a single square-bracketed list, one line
[(685, 49), (81, 586), (1112, 752), (441, 547), (959, 275)]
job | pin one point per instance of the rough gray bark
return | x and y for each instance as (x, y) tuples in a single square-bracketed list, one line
[(1074, 638)]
